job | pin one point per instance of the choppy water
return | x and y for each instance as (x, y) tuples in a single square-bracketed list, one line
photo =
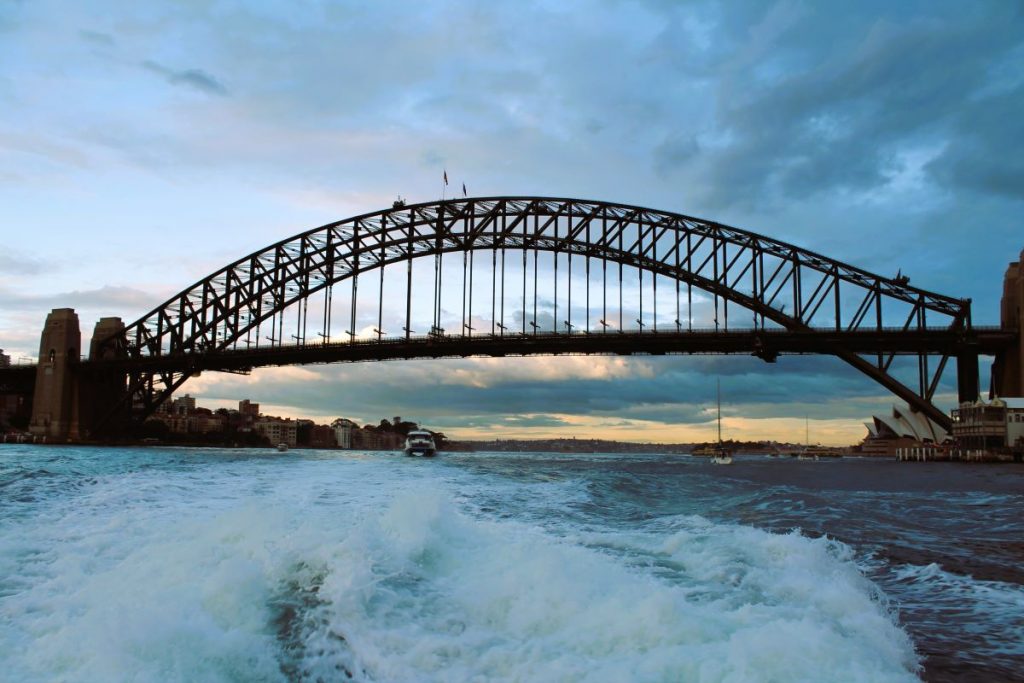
[(218, 565)]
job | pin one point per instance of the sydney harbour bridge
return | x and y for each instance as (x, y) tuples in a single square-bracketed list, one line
[(513, 276)]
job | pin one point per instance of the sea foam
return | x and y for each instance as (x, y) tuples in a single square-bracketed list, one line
[(348, 567)]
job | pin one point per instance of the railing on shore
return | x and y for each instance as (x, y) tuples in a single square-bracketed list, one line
[(22, 438), (938, 454)]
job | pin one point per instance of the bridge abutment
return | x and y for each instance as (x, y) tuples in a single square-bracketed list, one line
[(68, 402), (55, 399), (102, 391), (1008, 369)]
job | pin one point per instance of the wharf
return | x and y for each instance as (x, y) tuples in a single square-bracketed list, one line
[(937, 454)]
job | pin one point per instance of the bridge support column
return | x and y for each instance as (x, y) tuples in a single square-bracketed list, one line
[(1008, 369), (55, 400), (103, 390), (967, 377)]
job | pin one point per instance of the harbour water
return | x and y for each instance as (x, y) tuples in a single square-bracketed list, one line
[(168, 564)]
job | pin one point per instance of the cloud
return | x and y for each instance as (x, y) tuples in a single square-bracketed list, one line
[(20, 264), (108, 297), (815, 108), (674, 151), (979, 157), (676, 391), (193, 78), (47, 147), (876, 133), (97, 38)]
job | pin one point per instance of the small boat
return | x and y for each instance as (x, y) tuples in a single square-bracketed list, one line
[(282, 447), (809, 452), (720, 455), (420, 443)]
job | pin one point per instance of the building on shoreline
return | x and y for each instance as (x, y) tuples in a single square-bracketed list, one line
[(278, 430), (903, 428), (181, 420), (343, 430), (997, 426), (248, 409), (183, 405)]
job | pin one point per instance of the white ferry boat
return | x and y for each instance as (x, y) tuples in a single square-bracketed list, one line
[(420, 443)]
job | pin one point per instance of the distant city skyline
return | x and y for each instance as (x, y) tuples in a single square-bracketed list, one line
[(143, 147)]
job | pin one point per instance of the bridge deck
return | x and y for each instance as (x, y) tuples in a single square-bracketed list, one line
[(764, 343)]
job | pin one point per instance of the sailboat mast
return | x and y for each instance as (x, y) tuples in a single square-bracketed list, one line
[(718, 386)]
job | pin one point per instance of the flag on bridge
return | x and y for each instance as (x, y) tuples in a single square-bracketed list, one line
[(463, 189), (446, 177)]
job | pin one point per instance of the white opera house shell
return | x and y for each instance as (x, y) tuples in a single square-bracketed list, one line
[(903, 428)]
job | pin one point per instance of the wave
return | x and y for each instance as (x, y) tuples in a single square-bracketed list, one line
[(341, 569)]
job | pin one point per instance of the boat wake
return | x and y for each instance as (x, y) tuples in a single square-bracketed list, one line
[(351, 570)]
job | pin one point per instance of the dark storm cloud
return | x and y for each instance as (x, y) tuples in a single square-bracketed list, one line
[(679, 390), (984, 156), (193, 78), (882, 134), (843, 91), (673, 152)]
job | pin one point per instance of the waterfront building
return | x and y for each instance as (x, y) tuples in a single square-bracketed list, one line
[(343, 429), (247, 408), (183, 405), (373, 439), (277, 430), (322, 436), (901, 429), (205, 422), (5, 360), (991, 427)]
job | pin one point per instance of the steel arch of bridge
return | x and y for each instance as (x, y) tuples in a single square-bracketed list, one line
[(783, 287)]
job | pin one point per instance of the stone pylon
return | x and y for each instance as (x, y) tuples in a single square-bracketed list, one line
[(1008, 370), (55, 401), (102, 391)]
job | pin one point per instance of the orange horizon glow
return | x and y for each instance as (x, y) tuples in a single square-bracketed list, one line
[(828, 432)]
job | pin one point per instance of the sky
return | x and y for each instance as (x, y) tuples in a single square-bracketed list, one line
[(145, 145)]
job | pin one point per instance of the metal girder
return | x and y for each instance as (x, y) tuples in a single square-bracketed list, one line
[(787, 285)]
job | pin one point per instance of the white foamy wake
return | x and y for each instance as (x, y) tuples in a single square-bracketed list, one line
[(310, 574)]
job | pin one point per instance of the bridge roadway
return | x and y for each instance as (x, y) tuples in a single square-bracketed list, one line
[(766, 344)]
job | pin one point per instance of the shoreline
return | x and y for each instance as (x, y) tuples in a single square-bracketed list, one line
[(962, 457)]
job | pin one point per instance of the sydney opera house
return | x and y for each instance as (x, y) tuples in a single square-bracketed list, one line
[(902, 428)]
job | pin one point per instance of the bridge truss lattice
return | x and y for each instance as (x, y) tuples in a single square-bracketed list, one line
[(541, 275)]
